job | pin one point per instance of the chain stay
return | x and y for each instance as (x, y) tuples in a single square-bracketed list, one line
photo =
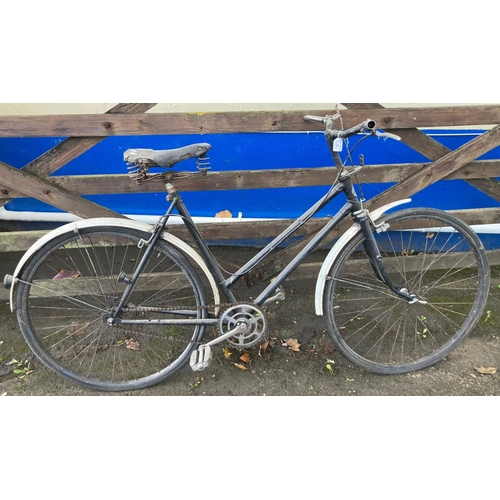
[(174, 308)]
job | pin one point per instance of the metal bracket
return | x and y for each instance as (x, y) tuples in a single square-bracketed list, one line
[(280, 295)]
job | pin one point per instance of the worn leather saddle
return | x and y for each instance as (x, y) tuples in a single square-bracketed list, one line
[(165, 158)]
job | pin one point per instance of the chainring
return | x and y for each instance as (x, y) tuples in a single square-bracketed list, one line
[(249, 315)]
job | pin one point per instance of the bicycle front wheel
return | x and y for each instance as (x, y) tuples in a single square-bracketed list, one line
[(72, 284), (426, 252)]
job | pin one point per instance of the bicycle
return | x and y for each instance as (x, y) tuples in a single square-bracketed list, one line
[(118, 305)]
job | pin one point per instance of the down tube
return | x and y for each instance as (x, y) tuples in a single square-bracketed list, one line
[(311, 246), (285, 234)]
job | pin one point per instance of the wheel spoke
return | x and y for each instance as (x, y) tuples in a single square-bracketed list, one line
[(430, 254), (72, 287)]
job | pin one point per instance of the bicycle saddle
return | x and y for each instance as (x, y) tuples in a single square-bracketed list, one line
[(165, 158)]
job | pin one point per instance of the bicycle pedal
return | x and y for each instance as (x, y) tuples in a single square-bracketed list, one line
[(201, 358)]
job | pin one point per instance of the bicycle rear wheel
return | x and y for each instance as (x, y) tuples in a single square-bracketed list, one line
[(427, 252), (68, 288)]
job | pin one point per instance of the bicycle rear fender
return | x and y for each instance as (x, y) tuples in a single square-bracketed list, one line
[(338, 247), (125, 223)]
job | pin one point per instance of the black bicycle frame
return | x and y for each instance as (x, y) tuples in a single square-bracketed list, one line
[(352, 206)]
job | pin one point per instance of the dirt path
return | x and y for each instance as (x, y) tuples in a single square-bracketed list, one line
[(314, 370)]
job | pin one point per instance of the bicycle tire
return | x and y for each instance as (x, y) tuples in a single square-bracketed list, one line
[(428, 252), (69, 285)]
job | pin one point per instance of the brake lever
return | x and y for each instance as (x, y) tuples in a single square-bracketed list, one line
[(387, 135)]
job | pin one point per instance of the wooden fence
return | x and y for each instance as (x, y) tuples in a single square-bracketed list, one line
[(85, 131)]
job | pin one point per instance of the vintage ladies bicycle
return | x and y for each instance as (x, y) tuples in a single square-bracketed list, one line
[(118, 305)]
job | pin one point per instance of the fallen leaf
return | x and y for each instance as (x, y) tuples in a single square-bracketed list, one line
[(263, 348), (77, 328), (241, 367), (225, 214), (245, 357), (227, 353), (293, 344), (67, 275), (486, 370), (327, 345), (132, 344)]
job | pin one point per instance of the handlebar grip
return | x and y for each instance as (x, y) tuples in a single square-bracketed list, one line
[(362, 127), (321, 119), (312, 118)]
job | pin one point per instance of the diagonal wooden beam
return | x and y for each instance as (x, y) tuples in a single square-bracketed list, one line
[(35, 187), (440, 169), (416, 182), (413, 137), (434, 150), (71, 148)]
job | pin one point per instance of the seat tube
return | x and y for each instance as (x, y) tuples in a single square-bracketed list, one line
[(200, 242)]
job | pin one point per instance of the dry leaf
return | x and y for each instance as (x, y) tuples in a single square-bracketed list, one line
[(132, 344), (241, 367), (486, 370), (263, 348), (293, 344), (225, 214), (245, 357), (77, 329), (227, 353), (67, 275), (327, 345)]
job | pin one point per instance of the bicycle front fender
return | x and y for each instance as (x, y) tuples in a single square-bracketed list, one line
[(125, 223), (339, 246)]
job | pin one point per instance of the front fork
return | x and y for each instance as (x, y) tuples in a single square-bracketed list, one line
[(373, 252)]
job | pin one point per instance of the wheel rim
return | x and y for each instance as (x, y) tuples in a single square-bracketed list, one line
[(384, 333), (78, 285)]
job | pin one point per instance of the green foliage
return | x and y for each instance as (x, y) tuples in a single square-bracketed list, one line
[(22, 369)]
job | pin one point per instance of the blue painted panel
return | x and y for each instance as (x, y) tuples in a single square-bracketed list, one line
[(248, 152)]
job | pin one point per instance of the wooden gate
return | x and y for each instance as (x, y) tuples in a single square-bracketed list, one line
[(85, 131)]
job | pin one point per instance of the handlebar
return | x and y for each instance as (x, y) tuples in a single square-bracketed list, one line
[(321, 119), (366, 126)]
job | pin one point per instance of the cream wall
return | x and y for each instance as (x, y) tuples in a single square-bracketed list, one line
[(71, 108)]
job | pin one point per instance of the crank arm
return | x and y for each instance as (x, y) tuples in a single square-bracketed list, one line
[(201, 358), (239, 329)]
